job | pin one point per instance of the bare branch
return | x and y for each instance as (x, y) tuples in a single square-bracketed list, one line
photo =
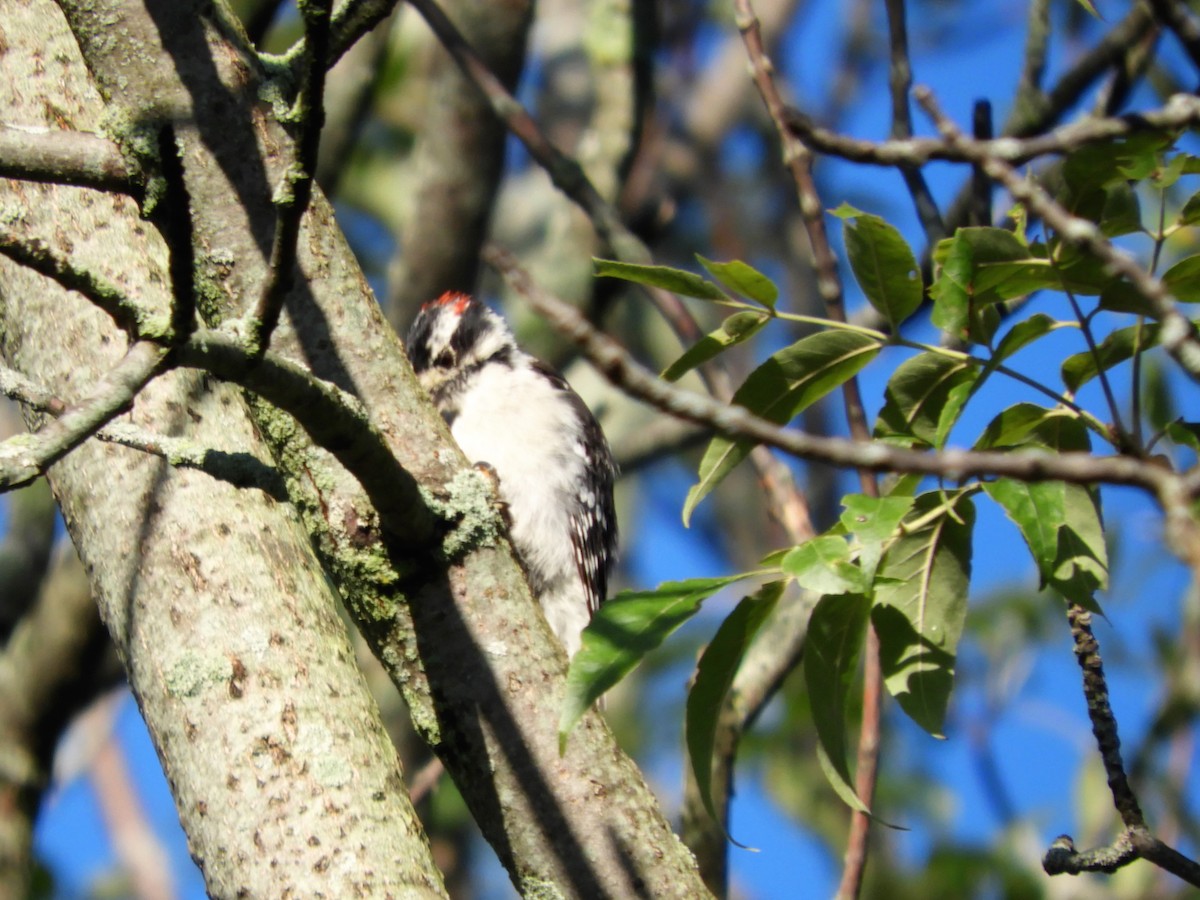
[(65, 157), (1175, 16), (25, 457), (1135, 840), (294, 194), (615, 363), (900, 81), (1178, 335), (1180, 112)]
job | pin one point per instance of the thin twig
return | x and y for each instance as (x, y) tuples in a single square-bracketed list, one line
[(1181, 111), (1175, 16), (347, 26), (798, 159), (25, 457), (1135, 840), (296, 191), (900, 81)]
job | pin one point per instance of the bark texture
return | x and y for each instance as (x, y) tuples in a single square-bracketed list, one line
[(282, 774), (480, 669)]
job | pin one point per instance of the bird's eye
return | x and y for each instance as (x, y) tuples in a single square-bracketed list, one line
[(445, 359)]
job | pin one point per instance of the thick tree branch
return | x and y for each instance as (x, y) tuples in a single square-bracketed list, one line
[(65, 157)]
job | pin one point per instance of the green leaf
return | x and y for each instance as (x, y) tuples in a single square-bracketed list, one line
[(1190, 213), (831, 649), (823, 565), (1029, 425), (778, 390), (883, 264), (1061, 524), (873, 521), (1183, 280), (714, 674), (738, 328), (1121, 296), (979, 267), (951, 288), (1080, 368), (916, 394), (743, 279), (621, 632), (1022, 335), (677, 281), (1186, 434), (921, 605)]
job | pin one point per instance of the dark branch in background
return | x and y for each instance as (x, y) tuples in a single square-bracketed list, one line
[(566, 174), (296, 191), (1135, 840), (49, 670), (981, 185), (66, 157), (1175, 16), (798, 159), (1178, 335), (900, 81), (1037, 39)]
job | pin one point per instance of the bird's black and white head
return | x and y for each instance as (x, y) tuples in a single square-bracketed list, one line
[(452, 339)]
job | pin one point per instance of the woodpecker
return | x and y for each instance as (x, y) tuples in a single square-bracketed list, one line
[(518, 417)]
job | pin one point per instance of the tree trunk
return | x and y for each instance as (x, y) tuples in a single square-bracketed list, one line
[(284, 779), (478, 665)]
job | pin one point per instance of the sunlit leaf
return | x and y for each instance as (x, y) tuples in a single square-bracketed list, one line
[(823, 565), (738, 328), (624, 630), (1186, 434), (743, 279), (677, 281), (921, 604), (714, 674), (778, 390), (883, 264), (873, 521), (831, 650)]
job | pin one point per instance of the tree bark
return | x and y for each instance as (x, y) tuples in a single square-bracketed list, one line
[(463, 639), (283, 777)]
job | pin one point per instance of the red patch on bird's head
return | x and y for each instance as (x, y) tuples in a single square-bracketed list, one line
[(456, 300)]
